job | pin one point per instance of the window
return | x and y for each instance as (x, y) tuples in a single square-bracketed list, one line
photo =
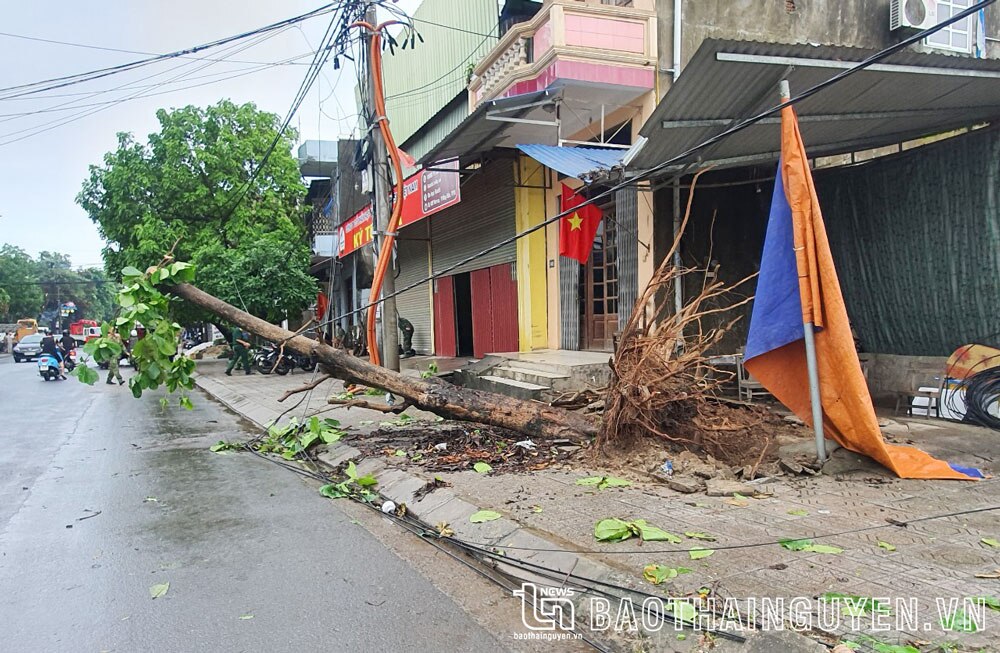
[(957, 36)]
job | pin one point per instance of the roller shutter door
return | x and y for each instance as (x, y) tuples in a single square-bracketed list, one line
[(485, 216), (415, 304)]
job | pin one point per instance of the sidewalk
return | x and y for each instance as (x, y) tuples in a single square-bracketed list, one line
[(909, 567)]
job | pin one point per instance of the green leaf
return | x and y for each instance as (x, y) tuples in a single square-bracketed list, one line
[(657, 574), (334, 491), (603, 482), (795, 545), (612, 530), (959, 622), (682, 610), (329, 436), (698, 552), (886, 546), (85, 374), (351, 470), (991, 602), (989, 541), (800, 512), (484, 516), (245, 617), (824, 548), (131, 271), (366, 481), (694, 535), (482, 468), (185, 403), (399, 453), (653, 534), (158, 590), (222, 445)]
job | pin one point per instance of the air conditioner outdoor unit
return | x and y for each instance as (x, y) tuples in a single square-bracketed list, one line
[(912, 14)]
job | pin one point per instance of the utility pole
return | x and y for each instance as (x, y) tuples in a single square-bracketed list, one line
[(383, 189)]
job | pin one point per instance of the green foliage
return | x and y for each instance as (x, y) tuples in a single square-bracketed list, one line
[(155, 355), (85, 374), (603, 482), (617, 530), (30, 286), (17, 274), (353, 486), (295, 438), (184, 186), (808, 546), (432, 369)]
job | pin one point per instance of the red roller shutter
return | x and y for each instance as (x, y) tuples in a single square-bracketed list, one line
[(503, 291), (445, 343), (483, 313)]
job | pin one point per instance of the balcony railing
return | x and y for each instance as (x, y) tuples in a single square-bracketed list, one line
[(604, 31)]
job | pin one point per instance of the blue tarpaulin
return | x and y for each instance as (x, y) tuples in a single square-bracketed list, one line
[(576, 162)]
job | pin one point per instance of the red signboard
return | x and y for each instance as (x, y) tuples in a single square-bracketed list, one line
[(424, 194)]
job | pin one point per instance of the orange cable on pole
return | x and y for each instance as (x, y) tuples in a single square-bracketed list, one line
[(385, 252)]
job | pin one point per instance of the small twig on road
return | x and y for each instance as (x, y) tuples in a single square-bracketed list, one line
[(89, 516)]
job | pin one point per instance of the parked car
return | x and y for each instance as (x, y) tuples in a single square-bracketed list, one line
[(28, 348)]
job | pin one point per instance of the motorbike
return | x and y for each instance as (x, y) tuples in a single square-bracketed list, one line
[(48, 367), (265, 360)]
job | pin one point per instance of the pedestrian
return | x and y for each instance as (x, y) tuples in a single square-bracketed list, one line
[(113, 362), (406, 348), (240, 342)]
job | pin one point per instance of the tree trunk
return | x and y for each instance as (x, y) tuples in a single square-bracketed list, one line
[(532, 418)]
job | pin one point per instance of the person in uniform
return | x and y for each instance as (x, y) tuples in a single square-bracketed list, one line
[(406, 347)]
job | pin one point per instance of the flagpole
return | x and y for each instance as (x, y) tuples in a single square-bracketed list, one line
[(809, 332)]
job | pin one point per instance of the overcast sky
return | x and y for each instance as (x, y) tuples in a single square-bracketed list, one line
[(41, 173)]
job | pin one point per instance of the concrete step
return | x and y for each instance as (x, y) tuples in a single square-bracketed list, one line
[(509, 387), (546, 378)]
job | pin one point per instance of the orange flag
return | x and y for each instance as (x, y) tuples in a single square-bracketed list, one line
[(798, 283)]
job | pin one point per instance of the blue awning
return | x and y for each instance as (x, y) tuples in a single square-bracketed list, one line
[(577, 162)]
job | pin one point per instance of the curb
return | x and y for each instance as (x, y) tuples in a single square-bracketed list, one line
[(444, 505)]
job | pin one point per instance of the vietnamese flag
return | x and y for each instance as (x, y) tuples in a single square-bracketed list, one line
[(577, 229), (798, 283)]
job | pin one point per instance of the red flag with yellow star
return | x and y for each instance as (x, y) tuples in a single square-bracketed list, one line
[(578, 228)]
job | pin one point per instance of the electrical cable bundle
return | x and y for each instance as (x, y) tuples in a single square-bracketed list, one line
[(982, 390)]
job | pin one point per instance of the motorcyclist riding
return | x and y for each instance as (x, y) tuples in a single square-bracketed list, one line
[(49, 347)]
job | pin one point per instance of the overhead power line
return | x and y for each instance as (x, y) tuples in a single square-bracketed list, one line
[(78, 78), (125, 51)]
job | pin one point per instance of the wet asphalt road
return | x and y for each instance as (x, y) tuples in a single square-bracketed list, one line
[(233, 535)]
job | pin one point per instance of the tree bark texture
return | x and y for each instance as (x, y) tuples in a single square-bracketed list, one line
[(533, 419)]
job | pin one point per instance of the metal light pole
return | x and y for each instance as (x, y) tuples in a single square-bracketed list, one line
[(809, 331)]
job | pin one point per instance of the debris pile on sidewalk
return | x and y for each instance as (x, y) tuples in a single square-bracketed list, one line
[(455, 446)]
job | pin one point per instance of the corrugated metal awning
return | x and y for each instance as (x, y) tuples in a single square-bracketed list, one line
[(577, 162), (906, 96), (500, 123)]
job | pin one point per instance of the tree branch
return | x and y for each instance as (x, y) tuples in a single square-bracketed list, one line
[(304, 388)]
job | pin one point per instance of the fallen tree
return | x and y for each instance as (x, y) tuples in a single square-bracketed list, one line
[(532, 418)]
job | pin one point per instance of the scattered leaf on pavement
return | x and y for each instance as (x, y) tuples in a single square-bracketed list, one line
[(886, 546), (603, 482), (989, 541), (484, 516), (657, 574), (698, 552), (482, 468), (694, 535), (443, 529), (158, 590), (653, 534), (959, 622), (993, 574), (536, 509), (245, 617), (612, 530), (799, 512), (809, 547)]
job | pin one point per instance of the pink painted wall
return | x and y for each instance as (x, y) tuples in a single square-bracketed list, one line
[(542, 41), (605, 33), (584, 72)]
